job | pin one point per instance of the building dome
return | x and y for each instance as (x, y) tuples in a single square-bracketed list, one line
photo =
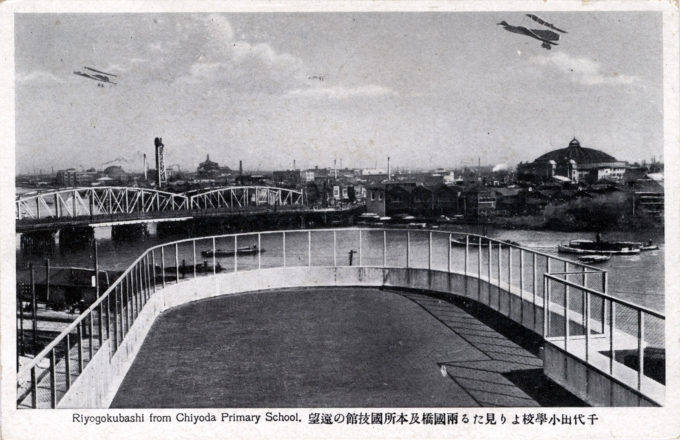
[(114, 171), (577, 153)]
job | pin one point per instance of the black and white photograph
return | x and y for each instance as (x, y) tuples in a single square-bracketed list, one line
[(444, 219)]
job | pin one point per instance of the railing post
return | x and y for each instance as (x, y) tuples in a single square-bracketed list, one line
[(384, 248), (133, 291), (479, 268), (67, 361), (611, 337), (259, 251), (193, 249), (521, 285), (604, 290), (115, 318), (500, 273), (309, 248), (509, 280), (509, 268), (214, 257), (408, 248), (34, 389), (449, 255), (335, 248), (177, 263), (163, 265), (534, 283), (360, 236), (80, 347), (90, 336), (34, 311), (429, 251), (53, 380), (587, 315), (100, 323), (235, 253), (546, 306), (566, 317), (467, 256), (284, 247), (640, 347), (489, 270), (149, 276), (153, 269)]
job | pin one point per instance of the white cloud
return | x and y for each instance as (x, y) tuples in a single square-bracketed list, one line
[(38, 77), (340, 92), (582, 70)]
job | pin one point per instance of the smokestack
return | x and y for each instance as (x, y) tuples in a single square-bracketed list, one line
[(335, 168), (145, 167), (240, 172), (294, 168), (389, 170)]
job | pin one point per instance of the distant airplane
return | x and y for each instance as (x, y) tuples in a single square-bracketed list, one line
[(545, 36), (99, 76)]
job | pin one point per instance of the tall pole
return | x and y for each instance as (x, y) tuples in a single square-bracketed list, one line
[(96, 267), (34, 307), (47, 279)]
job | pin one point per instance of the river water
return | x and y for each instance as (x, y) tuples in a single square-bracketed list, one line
[(638, 279)]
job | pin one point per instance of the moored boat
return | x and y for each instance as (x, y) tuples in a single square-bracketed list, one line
[(594, 259), (475, 241), (249, 250), (588, 247)]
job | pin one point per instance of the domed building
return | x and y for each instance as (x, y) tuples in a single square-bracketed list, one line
[(573, 163)]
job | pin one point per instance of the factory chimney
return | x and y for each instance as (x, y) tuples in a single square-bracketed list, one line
[(389, 170), (335, 168), (145, 167)]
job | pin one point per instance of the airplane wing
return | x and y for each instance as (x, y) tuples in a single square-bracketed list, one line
[(546, 34), (539, 20), (532, 33), (86, 76), (99, 71)]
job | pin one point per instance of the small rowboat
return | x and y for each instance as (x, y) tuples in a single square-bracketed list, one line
[(594, 259)]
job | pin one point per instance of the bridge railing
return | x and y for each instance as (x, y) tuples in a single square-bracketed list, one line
[(515, 281)]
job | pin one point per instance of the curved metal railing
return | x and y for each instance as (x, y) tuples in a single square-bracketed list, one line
[(564, 301)]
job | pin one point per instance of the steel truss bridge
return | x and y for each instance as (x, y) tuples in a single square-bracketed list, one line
[(111, 203)]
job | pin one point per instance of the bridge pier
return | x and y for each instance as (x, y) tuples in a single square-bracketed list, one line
[(129, 232), (76, 237), (37, 242)]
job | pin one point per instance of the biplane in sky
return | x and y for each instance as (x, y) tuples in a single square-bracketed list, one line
[(546, 36), (97, 75)]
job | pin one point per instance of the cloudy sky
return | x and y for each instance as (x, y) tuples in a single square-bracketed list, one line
[(428, 89)]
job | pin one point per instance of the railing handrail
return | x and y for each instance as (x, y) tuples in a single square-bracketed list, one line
[(604, 295), (38, 358)]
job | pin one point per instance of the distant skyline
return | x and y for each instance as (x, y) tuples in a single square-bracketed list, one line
[(429, 89)]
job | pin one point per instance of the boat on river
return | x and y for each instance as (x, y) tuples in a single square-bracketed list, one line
[(589, 247), (475, 241), (246, 250), (594, 259)]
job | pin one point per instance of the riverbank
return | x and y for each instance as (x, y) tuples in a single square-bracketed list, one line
[(543, 223)]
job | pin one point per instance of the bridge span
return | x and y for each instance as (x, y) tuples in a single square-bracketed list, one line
[(606, 351), (113, 205)]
